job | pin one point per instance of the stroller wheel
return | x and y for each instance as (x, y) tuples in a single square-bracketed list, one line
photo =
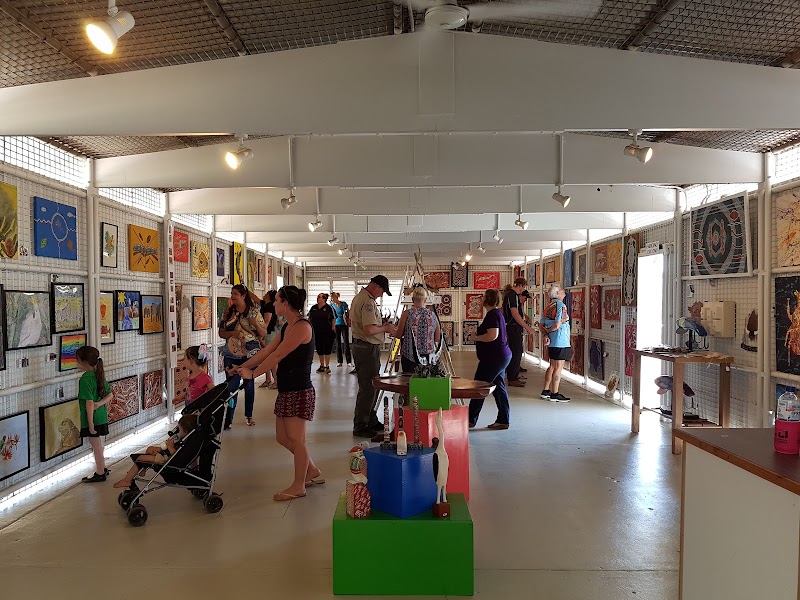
[(213, 503), (137, 515), (125, 499), (200, 494)]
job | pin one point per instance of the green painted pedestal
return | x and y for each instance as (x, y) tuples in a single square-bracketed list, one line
[(432, 392), (368, 553)]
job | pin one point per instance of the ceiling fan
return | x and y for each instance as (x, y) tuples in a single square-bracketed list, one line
[(447, 14)]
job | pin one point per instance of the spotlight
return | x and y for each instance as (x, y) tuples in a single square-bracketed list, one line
[(314, 225), (561, 198), (105, 34), (235, 159), (468, 257), (640, 153), (342, 250), (520, 223), (288, 201), (481, 249), (496, 237), (332, 241)]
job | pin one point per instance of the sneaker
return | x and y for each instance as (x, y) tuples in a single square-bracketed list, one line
[(558, 397), (321, 370), (545, 395), (353, 372), (350, 366), (523, 369), (328, 370), (339, 365)]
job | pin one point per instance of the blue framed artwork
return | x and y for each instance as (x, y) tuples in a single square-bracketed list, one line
[(55, 229)]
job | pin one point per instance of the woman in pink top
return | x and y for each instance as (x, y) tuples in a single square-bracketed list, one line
[(196, 361)]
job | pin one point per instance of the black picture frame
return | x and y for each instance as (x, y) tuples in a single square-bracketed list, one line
[(43, 433), (2, 330), (27, 440), (61, 368), (141, 314), (136, 298), (44, 296), (54, 292), (103, 259), (194, 313)]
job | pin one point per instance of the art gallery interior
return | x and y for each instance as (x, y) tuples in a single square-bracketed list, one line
[(642, 155)]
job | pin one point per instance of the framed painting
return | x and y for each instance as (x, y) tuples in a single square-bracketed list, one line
[(126, 398), (612, 304), (270, 269), (568, 271), (469, 329), (474, 304), (152, 316), (109, 239), (222, 305), (537, 274), (129, 307), (595, 313), (516, 272), (578, 307), (601, 259), (200, 259), (550, 271), (576, 362), (152, 389), (438, 280), (15, 450), (68, 307), (55, 229), (484, 280), (59, 428), (220, 262), (531, 271), (27, 319), (259, 269), (144, 253), (2, 332), (107, 330), (68, 351), (787, 324), (9, 222), (630, 346), (721, 238), (286, 277), (459, 275), (581, 276), (181, 380), (220, 359), (179, 304), (446, 306), (614, 259), (448, 331), (630, 268), (201, 313), (596, 360), (180, 246), (787, 222), (237, 264), (251, 267)]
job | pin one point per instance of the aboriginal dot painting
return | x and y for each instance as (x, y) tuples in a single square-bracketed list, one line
[(719, 238)]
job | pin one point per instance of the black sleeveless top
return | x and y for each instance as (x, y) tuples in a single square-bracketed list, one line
[(294, 370)]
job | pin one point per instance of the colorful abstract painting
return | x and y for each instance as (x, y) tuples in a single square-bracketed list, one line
[(109, 238), (569, 279), (251, 267), (68, 351), (152, 316), (126, 398), (68, 307), (181, 381), (459, 275), (152, 384), (614, 259), (474, 306), (601, 259), (576, 361), (597, 360), (143, 249), (237, 264), (612, 304), (107, 304), (787, 324), (259, 269), (223, 302), (484, 280), (448, 331), (469, 329), (201, 313), (578, 306), (55, 229), (787, 221), (220, 262), (630, 268), (9, 223), (15, 453), (180, 246), (129, 307), (201, 256), (27, 319), (595, 313), (437, 280), (630, 346), (581, 278), (719, 238), (59, 428)]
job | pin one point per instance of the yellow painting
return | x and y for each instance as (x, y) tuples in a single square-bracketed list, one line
[(614, 259), (143, 250), (9, 222), (200, 254), (237, 263), (787, 221)]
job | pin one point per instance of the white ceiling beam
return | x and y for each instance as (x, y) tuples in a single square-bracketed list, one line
[(392, 84), (277, 239), (410, 161), (432, 245), (422, 201)]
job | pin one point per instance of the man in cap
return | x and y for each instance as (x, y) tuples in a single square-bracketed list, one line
[(515, 325), (368, 335)]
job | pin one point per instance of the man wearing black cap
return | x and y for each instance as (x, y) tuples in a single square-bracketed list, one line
[(368, 334)]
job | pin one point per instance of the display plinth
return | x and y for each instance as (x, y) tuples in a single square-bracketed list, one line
[(456, 436), (401, 486), (439, 552), (431, 392)]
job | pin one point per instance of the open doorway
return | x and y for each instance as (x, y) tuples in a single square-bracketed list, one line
[(650, 322)]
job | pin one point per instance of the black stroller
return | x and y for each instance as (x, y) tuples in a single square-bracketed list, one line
[(193, 465)]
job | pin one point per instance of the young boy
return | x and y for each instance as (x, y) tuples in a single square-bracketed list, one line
[(156, 454)]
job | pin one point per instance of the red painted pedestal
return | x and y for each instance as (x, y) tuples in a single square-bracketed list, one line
[(456, 440)]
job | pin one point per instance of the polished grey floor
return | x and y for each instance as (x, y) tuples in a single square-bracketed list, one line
[(567, 504)]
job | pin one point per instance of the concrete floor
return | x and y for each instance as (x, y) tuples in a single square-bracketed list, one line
[(567, 504)]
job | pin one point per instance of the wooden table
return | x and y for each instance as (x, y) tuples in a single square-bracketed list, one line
[(460, 389), (678, 361)]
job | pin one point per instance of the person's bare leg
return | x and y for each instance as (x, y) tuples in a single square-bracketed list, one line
[(296, 432), (126, 481), (312, 472), (99, 459), (548, 377), (559, 364)]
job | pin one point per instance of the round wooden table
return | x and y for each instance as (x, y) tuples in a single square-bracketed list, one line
[(460, 389)]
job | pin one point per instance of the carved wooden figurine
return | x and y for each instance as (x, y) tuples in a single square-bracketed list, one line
[(441, 466), (387, 443), (402, 442), (416, 444), (358, 499)]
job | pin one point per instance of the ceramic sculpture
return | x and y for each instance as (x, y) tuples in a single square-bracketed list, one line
[(441, 466)]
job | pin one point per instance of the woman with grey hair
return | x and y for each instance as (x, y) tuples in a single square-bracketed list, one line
[(555, 324), (419, 329)]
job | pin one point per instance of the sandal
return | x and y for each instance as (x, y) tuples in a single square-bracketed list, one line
[(318, 480), (96, 478), (282, 497), (250, 422)]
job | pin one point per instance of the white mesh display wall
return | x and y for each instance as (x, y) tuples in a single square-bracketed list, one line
[(145, 199), (194, 286), (204, 223), (38, 157)]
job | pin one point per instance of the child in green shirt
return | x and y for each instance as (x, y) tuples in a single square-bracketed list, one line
[(94, 393)]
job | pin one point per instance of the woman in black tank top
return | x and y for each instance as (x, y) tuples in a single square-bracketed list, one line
[(292, 353)]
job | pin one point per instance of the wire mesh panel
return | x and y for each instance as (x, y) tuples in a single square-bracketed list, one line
[(39, 157), (142, 198)]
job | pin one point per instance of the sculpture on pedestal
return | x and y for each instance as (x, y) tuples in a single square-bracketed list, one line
[(416, 444), (358, 500), (441, 466), (387, 443), (402, 442)]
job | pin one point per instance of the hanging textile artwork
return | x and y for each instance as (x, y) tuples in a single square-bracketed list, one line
[(630, 346), (595, 315), (596, 360), (601, 259), (787, 324), (614, 259), (485, 280), (538, 274), (578, 309), (630, 268), (180, 246), (581, 278), (474, 304), (568, 278), (469, 329), (459, 276), (448, 330), (787, 218), (446, 306), (612, 302), (719, 238), (576, 362), (437, 280)]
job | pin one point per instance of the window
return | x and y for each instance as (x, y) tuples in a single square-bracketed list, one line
[(45, 159)]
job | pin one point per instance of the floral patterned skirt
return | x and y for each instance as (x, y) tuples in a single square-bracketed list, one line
[(296, 404)]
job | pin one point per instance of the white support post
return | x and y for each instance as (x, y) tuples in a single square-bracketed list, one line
[(671, 336), (623, 321), (93, 248), (586, 319), (767, 315), (169, 287)]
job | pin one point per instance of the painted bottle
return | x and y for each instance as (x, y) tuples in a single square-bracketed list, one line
[(787, 424)]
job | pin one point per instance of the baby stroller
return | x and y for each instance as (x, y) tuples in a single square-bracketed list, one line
[(193, 466)]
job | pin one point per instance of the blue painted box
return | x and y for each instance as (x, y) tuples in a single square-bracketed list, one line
[(402, 486)]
